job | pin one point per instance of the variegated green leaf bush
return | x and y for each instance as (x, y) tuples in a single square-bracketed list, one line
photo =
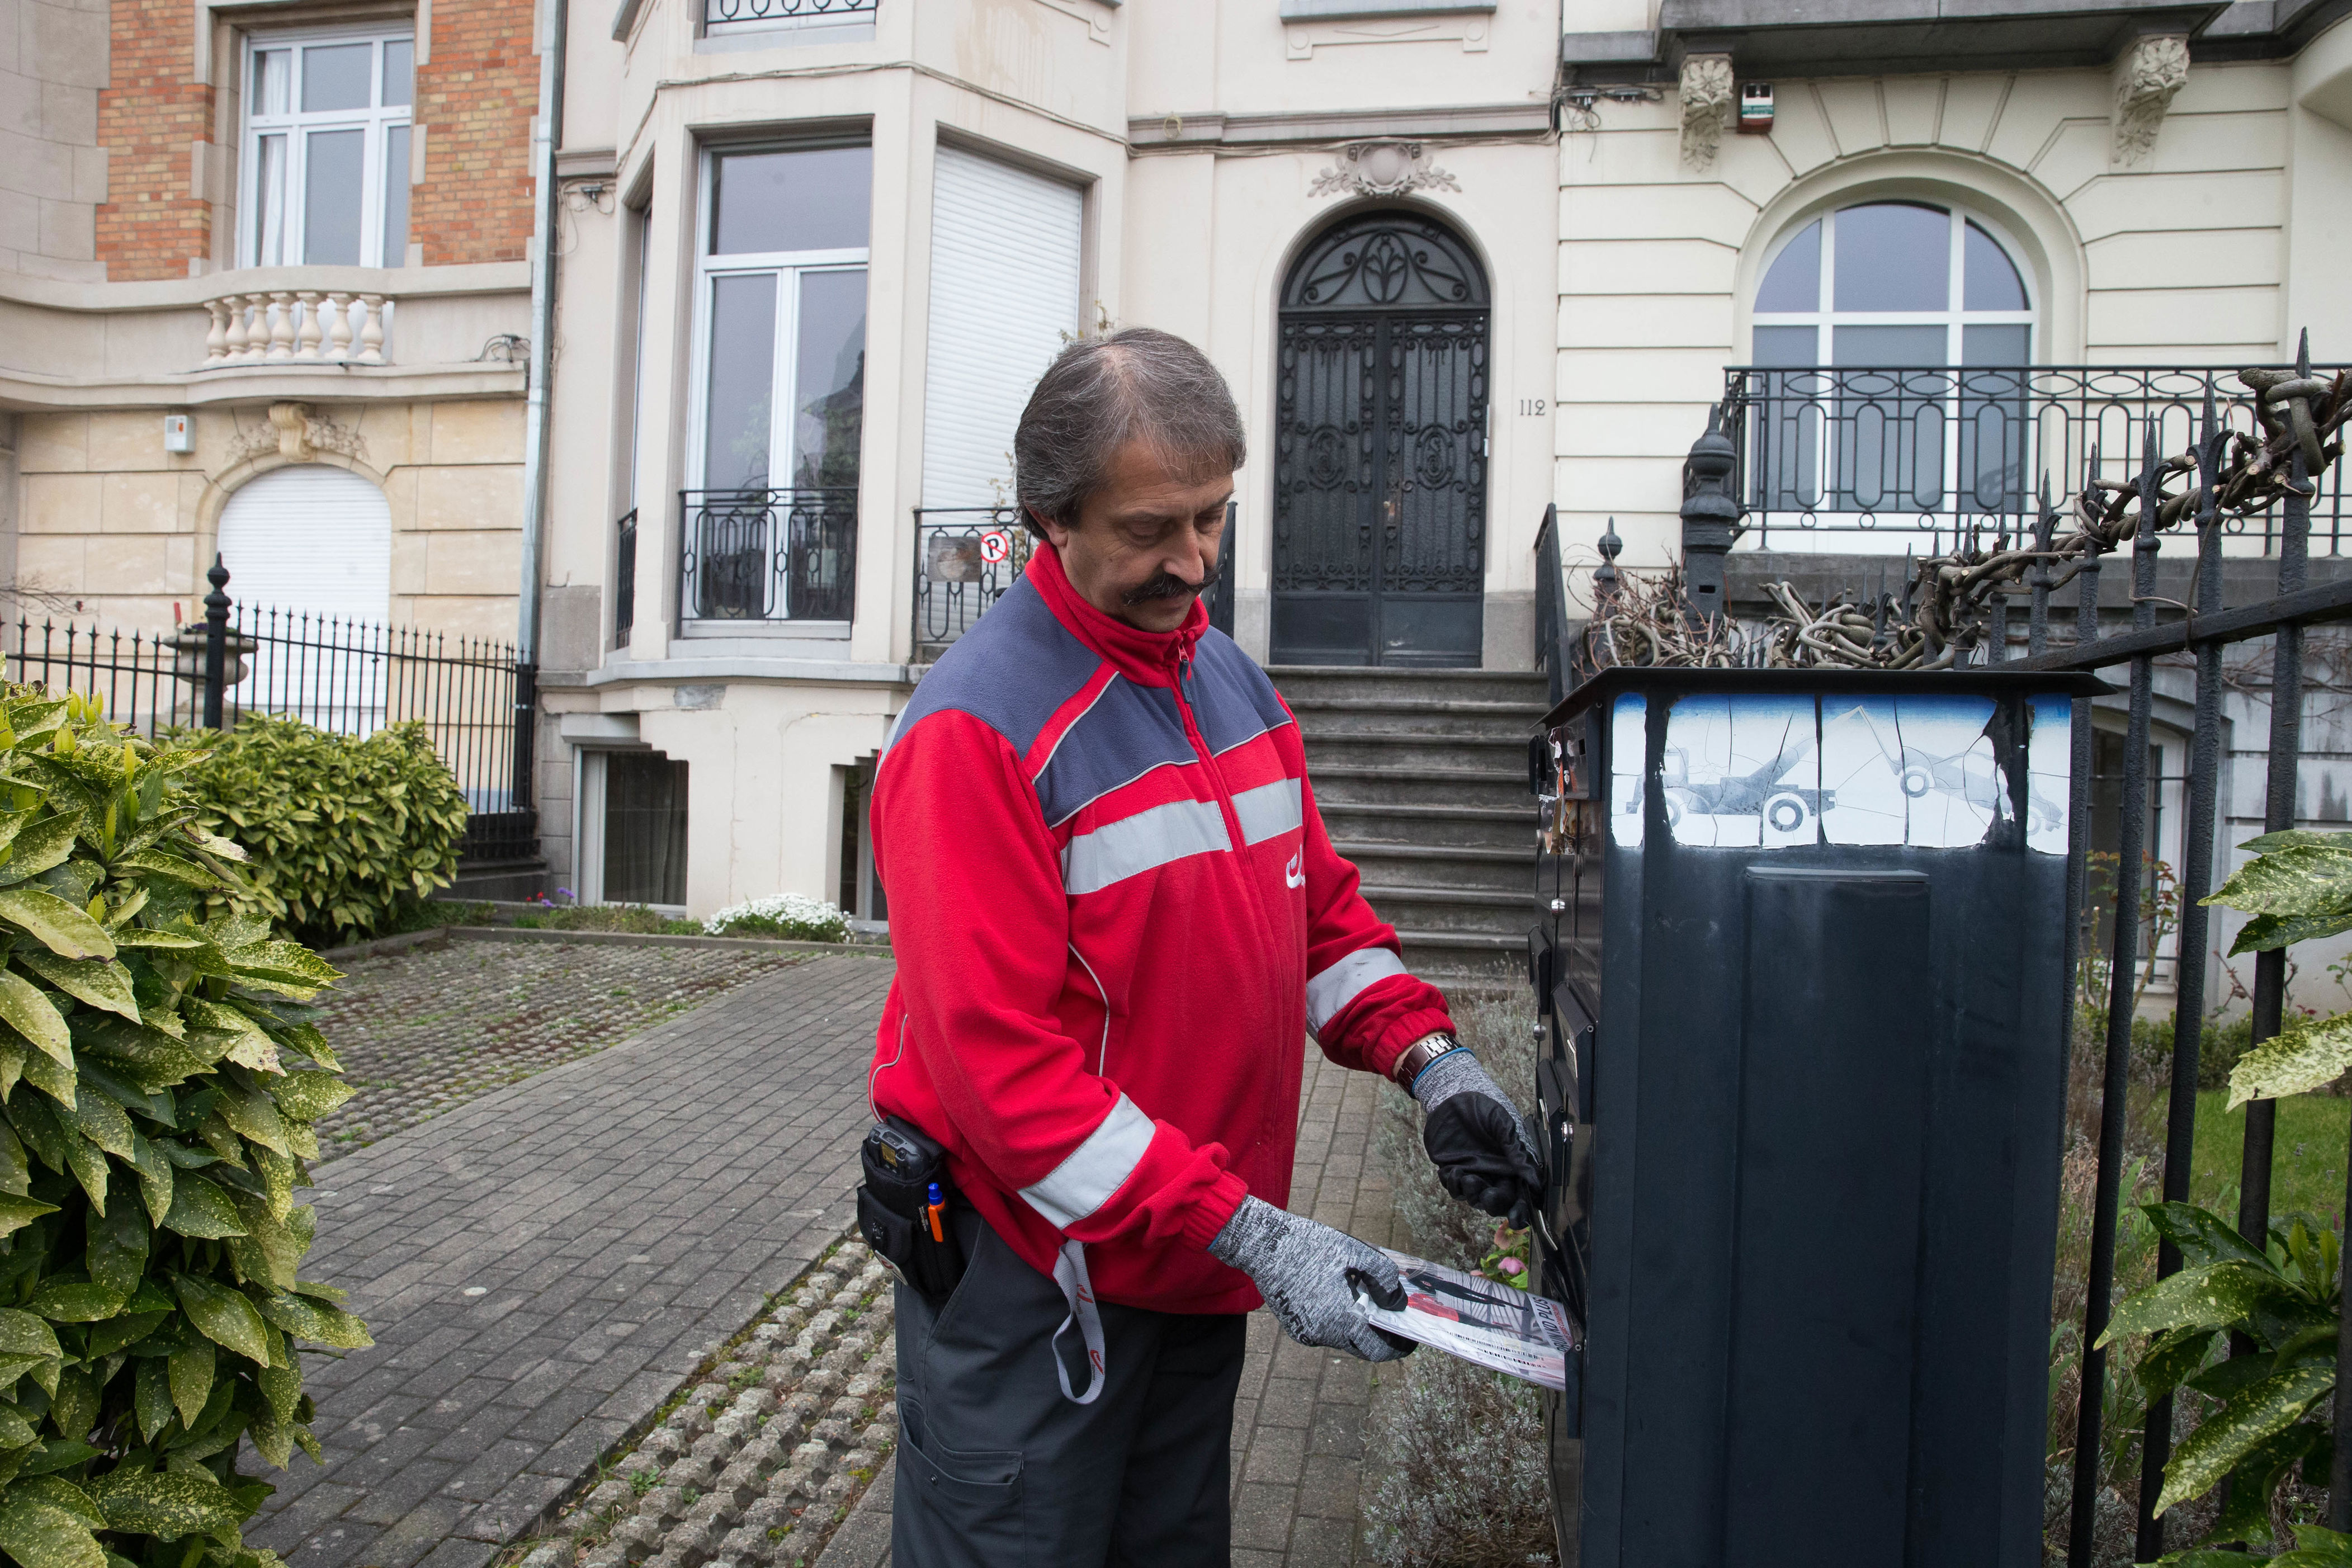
[(159, 1075), (343, 829)]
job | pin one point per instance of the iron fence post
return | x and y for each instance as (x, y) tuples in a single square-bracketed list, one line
[(2122, 970), (2278, 815), (2188, 962), (2083, 1517), (215, 641), (2037, 619), (1710, 514)]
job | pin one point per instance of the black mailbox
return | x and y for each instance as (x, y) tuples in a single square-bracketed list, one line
[(1804, 1082)]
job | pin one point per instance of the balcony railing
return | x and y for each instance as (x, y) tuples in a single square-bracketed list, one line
[(1889, 459), (767, 554), (965, 559), (729, 14), (291, 326), (625, 580)]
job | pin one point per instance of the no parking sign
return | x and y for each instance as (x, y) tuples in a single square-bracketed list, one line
[(996, 546)]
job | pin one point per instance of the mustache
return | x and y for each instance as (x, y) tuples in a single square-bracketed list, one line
[(1166, 584)]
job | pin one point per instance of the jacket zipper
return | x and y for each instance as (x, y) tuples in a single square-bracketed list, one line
[(1201, 749)]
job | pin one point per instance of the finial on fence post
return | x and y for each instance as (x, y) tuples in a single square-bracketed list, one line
[(215, 641), (1605, 576), (1710, 514)]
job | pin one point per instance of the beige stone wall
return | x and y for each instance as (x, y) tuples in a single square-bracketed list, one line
[(114, 530), (53, 61), (2177, 258)]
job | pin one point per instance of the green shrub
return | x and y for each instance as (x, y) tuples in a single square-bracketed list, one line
[(158, 1080), (345, 832)]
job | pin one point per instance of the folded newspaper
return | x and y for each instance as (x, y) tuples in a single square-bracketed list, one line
[(1499, 1327)]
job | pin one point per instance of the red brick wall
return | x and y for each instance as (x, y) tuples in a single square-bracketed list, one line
[(149, 112), (475, 97)]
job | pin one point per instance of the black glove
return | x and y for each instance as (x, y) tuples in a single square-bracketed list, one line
[(1475, 1138)]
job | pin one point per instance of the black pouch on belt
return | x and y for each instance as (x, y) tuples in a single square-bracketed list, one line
[(902, 1166)]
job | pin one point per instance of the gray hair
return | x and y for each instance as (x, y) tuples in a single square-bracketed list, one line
[(1098, 394)]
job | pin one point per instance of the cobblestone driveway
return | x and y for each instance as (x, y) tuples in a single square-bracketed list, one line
[(424, 1030), (543, 1267)]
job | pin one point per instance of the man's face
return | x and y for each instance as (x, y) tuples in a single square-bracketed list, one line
[(1146, 542)]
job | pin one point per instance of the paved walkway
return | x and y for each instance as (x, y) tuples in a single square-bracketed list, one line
[(1298, 1422), (542, 1267)]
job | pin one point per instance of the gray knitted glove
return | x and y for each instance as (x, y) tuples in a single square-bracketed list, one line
[(1477, 1140), (1307, 1273)]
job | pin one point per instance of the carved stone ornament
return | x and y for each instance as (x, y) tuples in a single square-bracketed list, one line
[(1707, 90), (297, 434), (1382, 169), (2150, 74)]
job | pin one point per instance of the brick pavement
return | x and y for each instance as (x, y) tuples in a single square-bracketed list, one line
[(426, 1029), (542, 1267)]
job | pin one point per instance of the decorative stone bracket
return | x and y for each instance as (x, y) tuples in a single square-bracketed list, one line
[(296, 433), (1707, 90), (2149, 76), (1382, 169)]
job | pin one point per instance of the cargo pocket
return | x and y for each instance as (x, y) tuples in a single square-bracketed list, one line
[(966, 1504)]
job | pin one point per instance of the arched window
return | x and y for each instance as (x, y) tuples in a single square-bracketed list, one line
[(1895, 335), (308, 553)]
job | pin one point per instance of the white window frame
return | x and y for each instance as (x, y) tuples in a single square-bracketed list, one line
[(1952, 318), (787, 266), (377, 123), (1826, 462)]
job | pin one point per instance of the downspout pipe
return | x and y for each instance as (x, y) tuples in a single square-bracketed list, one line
[(547, 132)]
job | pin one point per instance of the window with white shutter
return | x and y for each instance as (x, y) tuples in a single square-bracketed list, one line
[(1005, 299)]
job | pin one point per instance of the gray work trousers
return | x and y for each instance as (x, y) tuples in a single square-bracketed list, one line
[(997, 1469)]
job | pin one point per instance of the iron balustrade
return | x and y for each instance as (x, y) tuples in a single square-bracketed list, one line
[(967, 557), (735, 13), (625, 579), (475, 697), (1919, 458), (767, 554)]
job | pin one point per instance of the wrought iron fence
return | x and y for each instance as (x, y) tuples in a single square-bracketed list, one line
[(625, 579), (2204, 631), (1918, 458), (767, 554), (737, 13), (966, 557), (474, 696)]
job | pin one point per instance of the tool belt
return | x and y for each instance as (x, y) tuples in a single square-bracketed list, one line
[(895, 1211)]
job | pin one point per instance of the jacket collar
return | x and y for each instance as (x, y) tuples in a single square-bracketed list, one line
[(1147, 658)]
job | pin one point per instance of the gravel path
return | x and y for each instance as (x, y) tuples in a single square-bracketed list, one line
[(426, 1030)]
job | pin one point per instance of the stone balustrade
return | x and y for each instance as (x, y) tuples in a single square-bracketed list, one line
[(297, 326)]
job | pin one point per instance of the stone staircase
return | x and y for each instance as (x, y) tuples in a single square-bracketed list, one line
[(1422, 778)]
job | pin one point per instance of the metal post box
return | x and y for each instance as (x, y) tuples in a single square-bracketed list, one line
[(1801, 978)]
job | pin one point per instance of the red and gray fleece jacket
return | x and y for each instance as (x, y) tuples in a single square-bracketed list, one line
[(1116, 912)]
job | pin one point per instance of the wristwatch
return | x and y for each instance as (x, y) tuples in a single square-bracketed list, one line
[(1419, 1055)]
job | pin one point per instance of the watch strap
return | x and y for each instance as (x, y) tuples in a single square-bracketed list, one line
[(1419, 1055)]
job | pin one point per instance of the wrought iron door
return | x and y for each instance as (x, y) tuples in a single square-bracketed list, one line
[(1380, 454)]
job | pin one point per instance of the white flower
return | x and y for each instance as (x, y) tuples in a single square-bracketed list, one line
[(806, 918)]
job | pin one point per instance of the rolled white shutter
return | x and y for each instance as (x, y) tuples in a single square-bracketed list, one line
[(1004, 290), (313, 538)]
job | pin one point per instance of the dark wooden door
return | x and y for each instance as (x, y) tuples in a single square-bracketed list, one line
[(1381, 457)]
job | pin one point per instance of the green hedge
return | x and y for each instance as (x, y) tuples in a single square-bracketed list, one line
[(344, 832), (158, 1078)]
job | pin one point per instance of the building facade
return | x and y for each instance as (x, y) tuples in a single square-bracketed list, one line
[(263, 288), (1460, 260)]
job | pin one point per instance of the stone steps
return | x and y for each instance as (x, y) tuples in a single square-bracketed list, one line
[(1421, 779)]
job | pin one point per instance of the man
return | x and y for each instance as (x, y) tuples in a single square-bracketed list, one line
[(1116, 911)]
